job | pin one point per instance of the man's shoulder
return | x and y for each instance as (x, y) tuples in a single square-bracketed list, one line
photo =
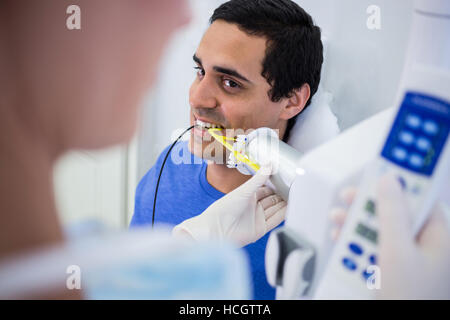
[(174, 170), (176, 162), (179, 157)]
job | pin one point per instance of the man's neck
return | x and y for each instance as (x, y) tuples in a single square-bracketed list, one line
[(223, 178)]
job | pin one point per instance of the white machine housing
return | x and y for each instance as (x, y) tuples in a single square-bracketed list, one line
[(328, 169), (341, 162)]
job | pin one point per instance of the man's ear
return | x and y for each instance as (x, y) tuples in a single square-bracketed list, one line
[(296, 103)]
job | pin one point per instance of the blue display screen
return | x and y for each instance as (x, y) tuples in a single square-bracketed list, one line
[(419, 133)]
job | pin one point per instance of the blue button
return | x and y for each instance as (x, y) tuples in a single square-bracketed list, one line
[(355, 248), (349, 263), (366, 274), (413, 121), (430, 127), (373, 259), (399, 154), (406, 137), (416, 160), (423, 144), (416, 189), (402, 182)]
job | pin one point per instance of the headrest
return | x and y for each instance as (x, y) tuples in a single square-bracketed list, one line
[(315, 125)]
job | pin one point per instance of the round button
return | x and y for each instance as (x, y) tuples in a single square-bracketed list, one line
[(423, 144), (373, 259), (399, 154), (349, 264), (402, 182), (366, 274), (406, 137), (416, 189), (413, 121), (430, 127), (416, 160), (355, 248)]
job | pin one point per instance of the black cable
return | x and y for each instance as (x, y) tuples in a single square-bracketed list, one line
[(160, 172)]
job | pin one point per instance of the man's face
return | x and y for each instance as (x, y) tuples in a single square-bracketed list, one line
[(229, 90)]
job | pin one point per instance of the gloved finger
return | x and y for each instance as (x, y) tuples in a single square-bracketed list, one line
[(249, 188), (270, 201), (338, 216), (269, 212), (335, 233), (263, 192), (347, 195), (276, 218), (435, 233), (393, 212), (182, 233), (266, 169)]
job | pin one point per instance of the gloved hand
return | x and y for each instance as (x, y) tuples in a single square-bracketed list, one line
[(411, 268), (242, 216)]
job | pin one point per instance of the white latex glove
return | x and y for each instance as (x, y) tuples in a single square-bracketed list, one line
[(411, 267), (242, 216)]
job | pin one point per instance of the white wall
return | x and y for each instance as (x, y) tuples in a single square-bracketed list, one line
[(91, 185), (363, 66), (97, 186), (362, 70)]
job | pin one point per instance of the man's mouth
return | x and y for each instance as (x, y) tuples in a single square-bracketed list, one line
[(206, 125), (201, 128)]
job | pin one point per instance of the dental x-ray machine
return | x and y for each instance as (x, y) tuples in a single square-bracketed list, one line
[(409, 140)]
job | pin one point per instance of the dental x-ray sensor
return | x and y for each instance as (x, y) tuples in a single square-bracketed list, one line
[(261, 147)]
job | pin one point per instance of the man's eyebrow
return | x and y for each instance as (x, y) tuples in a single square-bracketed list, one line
[(197, 59), (231, 72), (228, 71)]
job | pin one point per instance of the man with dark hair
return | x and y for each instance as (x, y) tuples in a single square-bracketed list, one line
[(258, 65), (293, 55)]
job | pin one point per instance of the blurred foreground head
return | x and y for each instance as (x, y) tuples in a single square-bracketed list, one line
[(63, 88), (80, 88)]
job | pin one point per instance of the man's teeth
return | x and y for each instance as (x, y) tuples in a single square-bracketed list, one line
[(206, 125)]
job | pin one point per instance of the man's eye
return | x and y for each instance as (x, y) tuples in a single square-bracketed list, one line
[(200, 71), (231, 84)]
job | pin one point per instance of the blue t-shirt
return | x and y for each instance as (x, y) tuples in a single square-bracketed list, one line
[(183, 193)]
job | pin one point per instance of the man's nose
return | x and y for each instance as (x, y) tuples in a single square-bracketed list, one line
[(203, 94)]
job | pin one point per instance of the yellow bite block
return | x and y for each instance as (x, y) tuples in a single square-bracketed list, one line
[(237, 155)]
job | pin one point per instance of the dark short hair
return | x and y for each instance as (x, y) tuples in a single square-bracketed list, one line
[(294, 52)]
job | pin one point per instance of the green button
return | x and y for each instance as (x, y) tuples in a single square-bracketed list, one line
[(370, 207)]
